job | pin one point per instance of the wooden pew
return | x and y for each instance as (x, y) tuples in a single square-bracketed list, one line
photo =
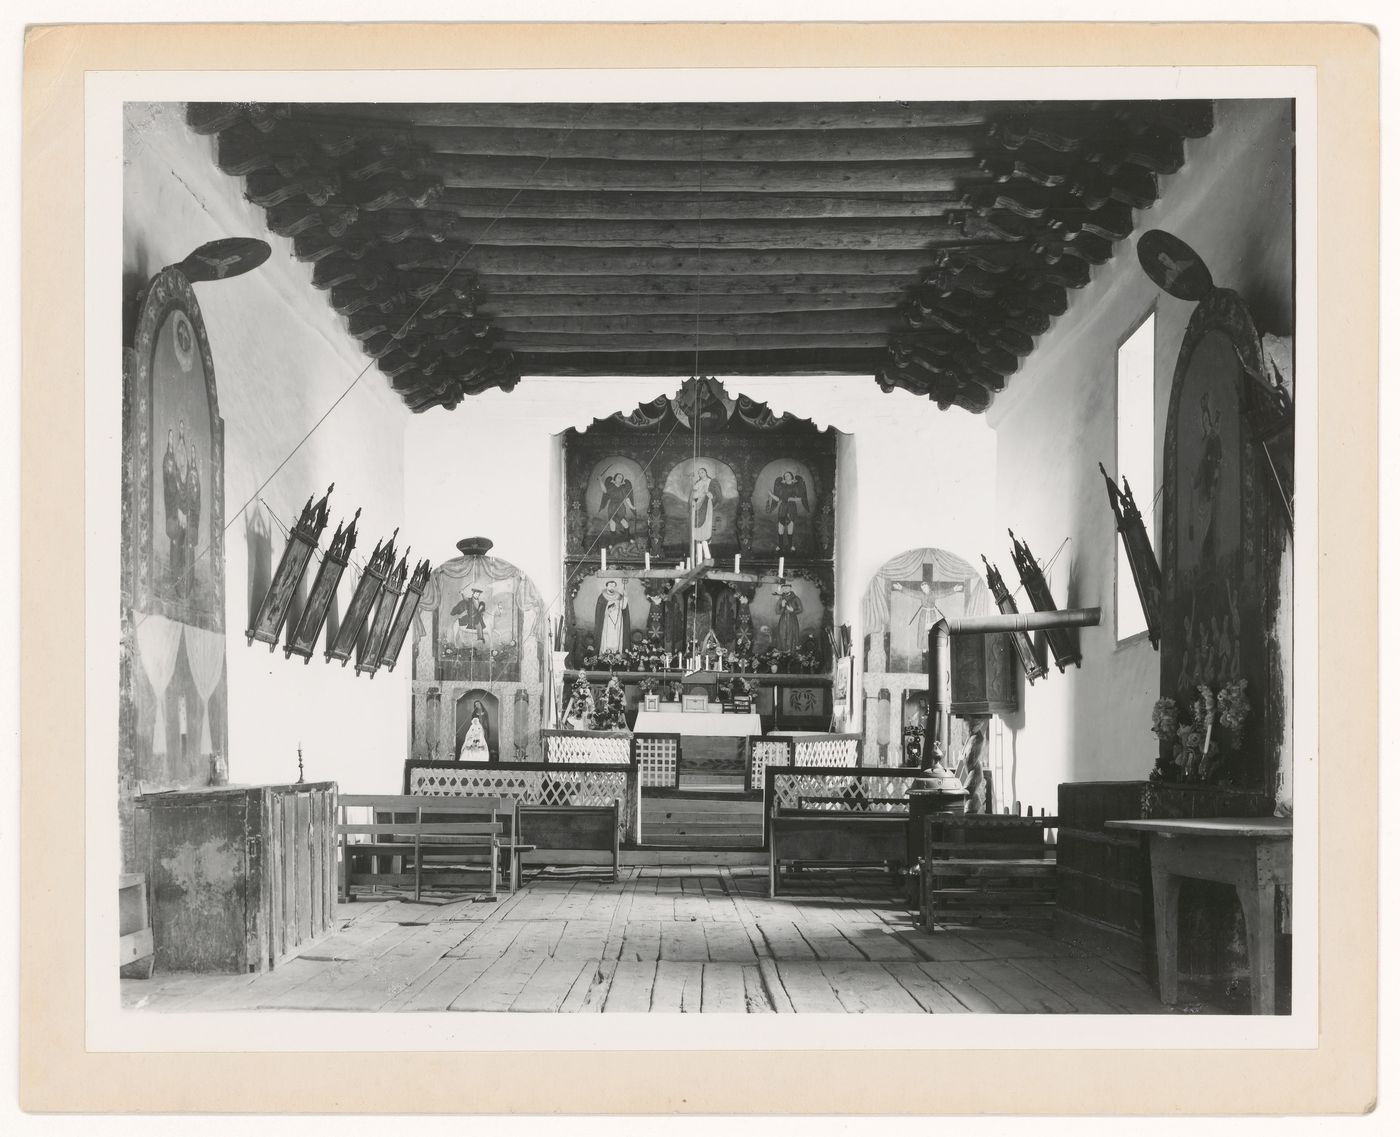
[(815, 836), (555, 828), (397, 830)]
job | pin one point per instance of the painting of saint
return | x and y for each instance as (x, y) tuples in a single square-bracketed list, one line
[(700, 499), (616, 502), (789, 633), (1208, 447), (612, 626), (783, 499), (470, 616), (180, 413)]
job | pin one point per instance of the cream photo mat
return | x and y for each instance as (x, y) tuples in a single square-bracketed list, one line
[(67, 1060)]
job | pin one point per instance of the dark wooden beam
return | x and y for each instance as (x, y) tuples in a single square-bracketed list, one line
[(573, 342), (782, 177), (485, 260), (830, 361), (868, 320), (805, 145), (604, 205), (678, 116), (495, 286), (588, 306)]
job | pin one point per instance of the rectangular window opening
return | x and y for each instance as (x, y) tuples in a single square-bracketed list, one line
[(1136, 447)]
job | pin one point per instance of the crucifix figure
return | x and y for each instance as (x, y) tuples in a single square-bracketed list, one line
[(928, 602)]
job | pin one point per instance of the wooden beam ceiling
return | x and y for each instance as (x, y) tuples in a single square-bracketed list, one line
[(927, 244)]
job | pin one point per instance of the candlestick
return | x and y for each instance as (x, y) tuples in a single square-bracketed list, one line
[(648, 561), (604, 553), (782, 562), (736, 562)]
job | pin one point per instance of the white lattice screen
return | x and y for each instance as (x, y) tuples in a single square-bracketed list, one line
[(845, 791), (533, 787), (657, 759), (826, 752), (765, 752), (588, 749)]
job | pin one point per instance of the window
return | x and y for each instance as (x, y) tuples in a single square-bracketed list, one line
[(1136, 447)]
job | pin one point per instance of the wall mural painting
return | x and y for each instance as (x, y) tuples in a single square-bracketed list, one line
[(784, 495), (479, 637), (173, 705)]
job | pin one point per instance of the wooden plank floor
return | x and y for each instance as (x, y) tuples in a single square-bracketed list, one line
[(677, 939)]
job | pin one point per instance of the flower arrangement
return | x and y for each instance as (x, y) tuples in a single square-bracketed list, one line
[(1195, 752)]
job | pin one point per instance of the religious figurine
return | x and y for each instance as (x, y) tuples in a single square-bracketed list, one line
[(474, 747)]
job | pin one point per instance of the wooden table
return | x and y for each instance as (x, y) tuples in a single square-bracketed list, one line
[(1254, 854)]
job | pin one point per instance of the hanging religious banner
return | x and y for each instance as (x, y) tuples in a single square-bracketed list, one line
[(1147, 576), (313, 618), (366, 593), (389, 594), (1064, 642), (403, 619), (296, 555), (1021, 641)]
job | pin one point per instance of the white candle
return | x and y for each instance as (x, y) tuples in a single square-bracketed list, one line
[(648, 561), (604, 552), (781, 563), (736, 562)]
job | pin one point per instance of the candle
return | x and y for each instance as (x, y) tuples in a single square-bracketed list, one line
[(736, 562), (604, 552), (781, 563), (648, 561)]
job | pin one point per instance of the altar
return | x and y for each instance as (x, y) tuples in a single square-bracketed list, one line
[(714, 746), (696, 724)]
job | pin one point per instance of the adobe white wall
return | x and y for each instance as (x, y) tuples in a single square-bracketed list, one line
[(1232, 203), (281, 358), (908, 474)]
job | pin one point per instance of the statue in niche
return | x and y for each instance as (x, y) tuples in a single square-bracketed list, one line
[(474, 747)]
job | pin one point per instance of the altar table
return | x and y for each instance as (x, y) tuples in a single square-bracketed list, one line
[(1254, 854), (696, 723)]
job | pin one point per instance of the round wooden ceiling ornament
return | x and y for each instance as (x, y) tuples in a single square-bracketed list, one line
[(224, 259)]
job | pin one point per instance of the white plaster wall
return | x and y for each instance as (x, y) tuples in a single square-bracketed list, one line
[(1232, 203), (281, 358), (908, 474)]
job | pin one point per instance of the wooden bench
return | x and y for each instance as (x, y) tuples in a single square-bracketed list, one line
[(832, 837), (426, 832), (556, 828)]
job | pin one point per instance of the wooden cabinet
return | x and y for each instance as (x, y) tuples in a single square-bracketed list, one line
[(239, 875), (983, 680)]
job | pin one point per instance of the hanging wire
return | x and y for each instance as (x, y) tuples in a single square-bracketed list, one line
[(403, 328)]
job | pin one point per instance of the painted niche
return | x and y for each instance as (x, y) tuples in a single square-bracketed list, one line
[(479, 643)]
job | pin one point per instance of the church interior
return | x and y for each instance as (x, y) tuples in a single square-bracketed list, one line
[(749, 557)]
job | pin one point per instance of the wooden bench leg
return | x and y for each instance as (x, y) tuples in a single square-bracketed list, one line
[(1166, 896), (1257, 904), (772, 869)]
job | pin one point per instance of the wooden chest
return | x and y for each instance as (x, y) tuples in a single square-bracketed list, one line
[(239, 876)]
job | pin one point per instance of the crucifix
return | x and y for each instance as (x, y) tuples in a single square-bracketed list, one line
[(925, 602)]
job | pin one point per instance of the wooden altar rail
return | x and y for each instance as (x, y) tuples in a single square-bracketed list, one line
[(798, 750), (559, 784)]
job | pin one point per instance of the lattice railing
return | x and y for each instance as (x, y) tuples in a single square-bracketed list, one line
[(587, 747), (827, 750), (657, 758), (765, 752), (533, 784)]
